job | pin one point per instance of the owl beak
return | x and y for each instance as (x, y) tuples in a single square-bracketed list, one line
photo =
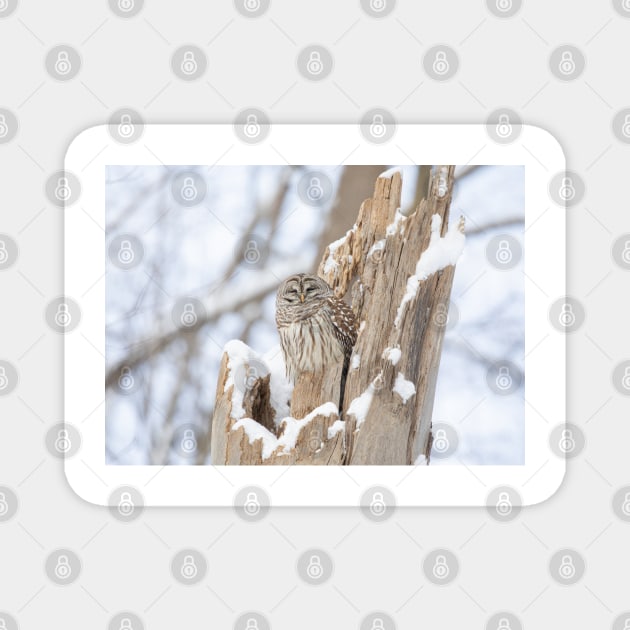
[(302, 298)]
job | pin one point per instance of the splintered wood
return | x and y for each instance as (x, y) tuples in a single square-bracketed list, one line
[(390, 390)]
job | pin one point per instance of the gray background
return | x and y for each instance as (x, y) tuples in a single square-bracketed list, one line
[(378, 566)]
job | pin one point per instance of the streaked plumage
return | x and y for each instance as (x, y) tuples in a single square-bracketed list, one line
[(316, 328)]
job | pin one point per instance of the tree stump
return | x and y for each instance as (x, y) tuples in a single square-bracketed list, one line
[(399, 271)]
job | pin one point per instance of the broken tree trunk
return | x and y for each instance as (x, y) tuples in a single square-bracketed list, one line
[(399, 270)]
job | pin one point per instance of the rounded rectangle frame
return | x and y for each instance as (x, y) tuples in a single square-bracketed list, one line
[(463, 485)]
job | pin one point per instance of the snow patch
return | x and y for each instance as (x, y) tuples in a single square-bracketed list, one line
[(356, 361), (392, 355), (440, 253), (271, 363), (292, 428), (379, 247), (239, 354), (280, 388), (397, 224), (421, 460), (360, 406), (336, 427), (255, 431), (404, 388), (331, 264)]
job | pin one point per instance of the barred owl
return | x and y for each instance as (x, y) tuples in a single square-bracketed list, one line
[(316, 328)]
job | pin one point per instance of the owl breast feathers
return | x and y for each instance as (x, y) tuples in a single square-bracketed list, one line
[(316, 328)]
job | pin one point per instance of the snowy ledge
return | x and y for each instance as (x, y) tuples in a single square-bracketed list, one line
[(331, 264), (240, 358), (284, 444), (440, 253)]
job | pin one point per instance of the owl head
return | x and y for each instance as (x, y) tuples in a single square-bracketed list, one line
[(302, 289)]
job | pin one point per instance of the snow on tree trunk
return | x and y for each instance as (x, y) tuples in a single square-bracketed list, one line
[(399, 271)]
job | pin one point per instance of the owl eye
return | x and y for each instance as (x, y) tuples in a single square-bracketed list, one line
[(310, 289)]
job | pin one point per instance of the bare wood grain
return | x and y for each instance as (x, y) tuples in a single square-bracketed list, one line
[(372, 263)]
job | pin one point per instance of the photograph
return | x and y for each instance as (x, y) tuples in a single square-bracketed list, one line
[(315, 315)]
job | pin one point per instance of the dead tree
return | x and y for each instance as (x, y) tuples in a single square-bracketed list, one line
[(399, 272)]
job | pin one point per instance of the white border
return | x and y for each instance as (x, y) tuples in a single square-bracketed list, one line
[(536, 480)]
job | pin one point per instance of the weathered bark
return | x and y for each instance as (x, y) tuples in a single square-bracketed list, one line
[(355, 184), (374, 261)]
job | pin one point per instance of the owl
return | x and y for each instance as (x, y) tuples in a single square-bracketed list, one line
[(317, 329)]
